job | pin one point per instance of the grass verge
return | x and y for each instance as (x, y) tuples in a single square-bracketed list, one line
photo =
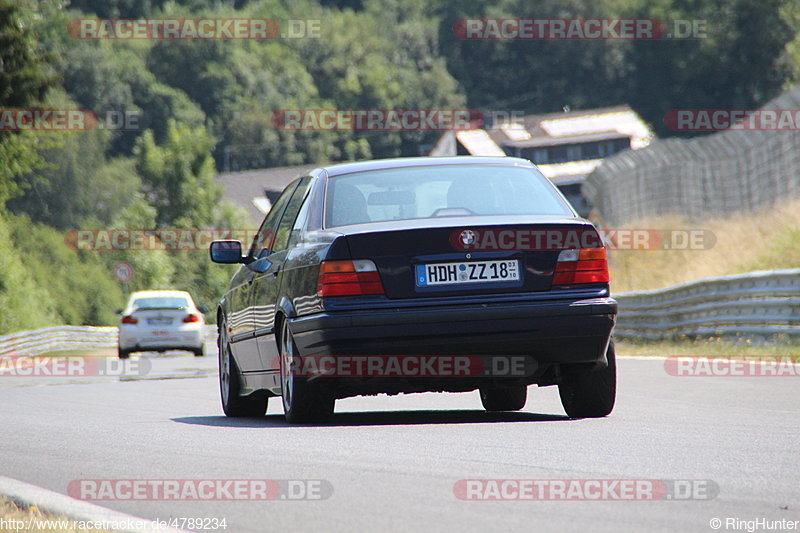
[(709, 347), (767, 240), (21, 519)]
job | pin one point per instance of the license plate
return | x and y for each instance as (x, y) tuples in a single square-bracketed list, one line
[(467, 272), (159, 321)]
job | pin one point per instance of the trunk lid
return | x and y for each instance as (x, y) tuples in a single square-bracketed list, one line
[(158, 317), (454, 255)]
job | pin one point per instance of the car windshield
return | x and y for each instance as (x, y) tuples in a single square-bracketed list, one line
[(161, 302), (440, 191)]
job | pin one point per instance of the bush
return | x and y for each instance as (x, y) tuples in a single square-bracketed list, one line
[(43, 282)]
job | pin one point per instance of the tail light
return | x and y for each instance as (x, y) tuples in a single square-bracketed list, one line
[(191, 318), (348, 278), (128, 319), (581, 266)]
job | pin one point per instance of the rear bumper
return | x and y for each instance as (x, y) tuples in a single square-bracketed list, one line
[(560, 331), (178, 339)]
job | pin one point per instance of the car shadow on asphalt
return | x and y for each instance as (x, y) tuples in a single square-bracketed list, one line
[(378, 418)]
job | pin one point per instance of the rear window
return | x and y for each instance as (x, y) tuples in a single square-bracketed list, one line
[(440, 191), (161, 302)]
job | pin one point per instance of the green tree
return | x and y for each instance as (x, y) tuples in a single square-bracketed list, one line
[(179, 183), (23, 77), (178, 177), (153, 268), (78, 288), (113, 82), (383, 57), (118, 8), (239, 85), (740, 63), (25, 304), (70, 167), (24, 81), (533, 76)]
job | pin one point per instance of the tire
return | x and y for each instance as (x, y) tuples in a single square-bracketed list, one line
[(230, 386), (124, 354), (504, 398), (200, 352), (590, 394), (303, 402)]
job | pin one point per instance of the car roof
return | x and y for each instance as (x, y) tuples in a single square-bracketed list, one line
[(404, 162), (162, 294)]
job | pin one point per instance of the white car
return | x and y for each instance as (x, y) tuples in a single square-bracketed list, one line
[(160, 321)]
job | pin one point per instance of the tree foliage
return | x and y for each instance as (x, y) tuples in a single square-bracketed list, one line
[(739, 61), (178, 176), (24, 81)]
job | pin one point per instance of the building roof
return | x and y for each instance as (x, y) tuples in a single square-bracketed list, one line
[(570, 172), (553, 129), (251, 189), (478, 142), (550, 129), (542, 142), (572, 127)]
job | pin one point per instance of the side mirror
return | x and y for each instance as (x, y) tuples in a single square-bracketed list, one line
[(117, 311), (226, 252), (202, 308)]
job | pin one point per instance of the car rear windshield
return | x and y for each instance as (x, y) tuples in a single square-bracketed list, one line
[(440, 191), (161, 302)]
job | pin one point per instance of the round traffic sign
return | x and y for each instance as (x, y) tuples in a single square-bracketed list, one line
[(123, 272)]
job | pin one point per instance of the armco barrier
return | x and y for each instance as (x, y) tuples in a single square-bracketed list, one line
[(754, 305), (60, 338)]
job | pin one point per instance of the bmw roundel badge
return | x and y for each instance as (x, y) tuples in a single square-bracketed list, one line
[(467, 237)]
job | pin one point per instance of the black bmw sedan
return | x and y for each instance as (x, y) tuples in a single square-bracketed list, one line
[(417, 275)]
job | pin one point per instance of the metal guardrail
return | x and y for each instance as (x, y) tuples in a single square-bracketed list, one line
[(756, 305), (62, 338)]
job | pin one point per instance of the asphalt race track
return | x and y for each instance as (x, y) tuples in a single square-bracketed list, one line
[(393, 462)]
